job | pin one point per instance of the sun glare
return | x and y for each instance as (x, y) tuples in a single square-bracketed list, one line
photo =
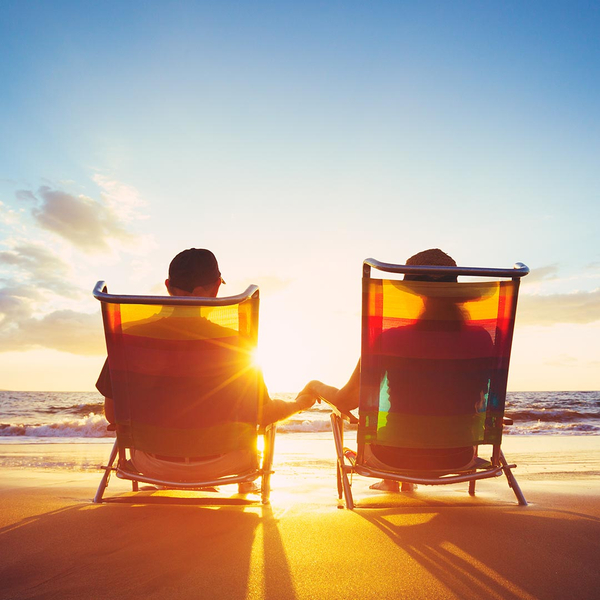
[(257, 358)]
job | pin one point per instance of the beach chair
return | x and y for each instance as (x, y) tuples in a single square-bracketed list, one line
[(187, 395), (434, 369)]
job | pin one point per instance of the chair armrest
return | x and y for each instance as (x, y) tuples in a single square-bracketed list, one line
[(346, 416)]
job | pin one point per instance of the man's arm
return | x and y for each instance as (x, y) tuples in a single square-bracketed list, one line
[(109, 410), (346, 398), (278, 410), (104, 386)]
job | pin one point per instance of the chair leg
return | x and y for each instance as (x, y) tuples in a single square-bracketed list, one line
[(472, 482), (265, 488), (267, 466), (338, 474), (472, 487), (135, 486), (106, 476), (337, 427), (512, 482), (347, 489)]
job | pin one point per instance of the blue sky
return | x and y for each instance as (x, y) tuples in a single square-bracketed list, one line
[(295, 140)]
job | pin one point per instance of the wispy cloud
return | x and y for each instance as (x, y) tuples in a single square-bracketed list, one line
[(16, 303), (9, 217), (33, 277), (39, 290), (64, 330), (88, 224), (546, 273), (25, 196), (38, 266), (562, 361), (124, 200), (578, 307)]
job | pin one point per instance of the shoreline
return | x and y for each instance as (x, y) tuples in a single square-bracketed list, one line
[(533, 450)]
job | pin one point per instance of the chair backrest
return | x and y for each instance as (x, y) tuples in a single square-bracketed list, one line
[(182, 372), (435, 357)]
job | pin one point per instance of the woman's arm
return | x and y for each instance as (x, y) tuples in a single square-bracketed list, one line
[(346, 398)]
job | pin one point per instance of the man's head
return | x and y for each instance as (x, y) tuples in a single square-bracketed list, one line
[(433, 257), (194, 272)]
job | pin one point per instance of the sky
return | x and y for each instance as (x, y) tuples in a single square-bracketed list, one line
[(295, 140)]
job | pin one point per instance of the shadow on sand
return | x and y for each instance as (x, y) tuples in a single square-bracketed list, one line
[(165, 547), (481, 548)]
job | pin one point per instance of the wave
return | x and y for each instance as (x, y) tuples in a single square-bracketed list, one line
[(94, 426), (90, 426), (558, 416), (537, 427), (304, 425), (83, 409), (553, 428)]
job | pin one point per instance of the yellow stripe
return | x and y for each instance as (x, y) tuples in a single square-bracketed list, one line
[(179, 323), (218, 439), (405, 299)]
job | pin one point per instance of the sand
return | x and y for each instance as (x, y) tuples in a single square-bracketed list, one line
[(435, 543)]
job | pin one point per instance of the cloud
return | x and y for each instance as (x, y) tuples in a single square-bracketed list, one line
[(124, 200), (579, 308), (41, 299), (542, 274), (16, 304), (41, 276), (25, 196), (563, 360), (64, 330), (9, 216), (40, 266), (33, 277), (88, 224)]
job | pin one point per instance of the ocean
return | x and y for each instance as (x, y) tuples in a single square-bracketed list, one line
[(78, 417)]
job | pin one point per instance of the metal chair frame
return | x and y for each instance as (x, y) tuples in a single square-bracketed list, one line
[(118, 452), (346, 468)]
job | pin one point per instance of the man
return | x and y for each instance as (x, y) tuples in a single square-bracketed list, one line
[(195, 272), (459, 392)]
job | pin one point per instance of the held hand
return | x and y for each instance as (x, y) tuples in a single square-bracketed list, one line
[(314, 388), (310, 387), (304, 400)]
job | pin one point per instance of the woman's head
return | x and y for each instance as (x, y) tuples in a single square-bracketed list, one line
[(434, 257)]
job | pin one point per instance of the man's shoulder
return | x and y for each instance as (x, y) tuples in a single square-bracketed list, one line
[(174, 327)]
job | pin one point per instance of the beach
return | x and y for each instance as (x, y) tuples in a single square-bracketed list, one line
[(437, 542), (383, 207)]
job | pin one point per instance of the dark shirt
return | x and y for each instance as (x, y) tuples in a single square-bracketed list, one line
[(210, 374), (445, 373)]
